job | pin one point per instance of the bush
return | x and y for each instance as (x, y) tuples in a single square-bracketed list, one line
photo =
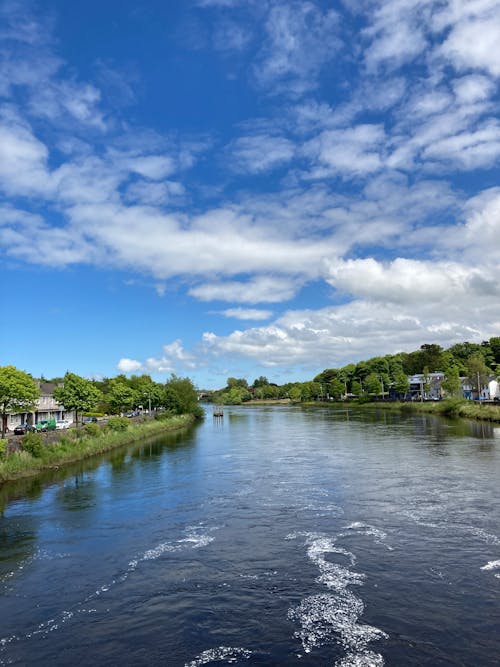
[(452, 406), (118, 423), (162, 416), (92, 429), (33, 444), (3, 449)]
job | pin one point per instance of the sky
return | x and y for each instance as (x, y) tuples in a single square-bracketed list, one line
[(239, 188)]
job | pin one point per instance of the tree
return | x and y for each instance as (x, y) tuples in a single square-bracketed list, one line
[(337, 389), (18, 392), (261, 381), (401, 383), (451, 384), (477, 371), (77, 394), (182, 394), (121, 396)]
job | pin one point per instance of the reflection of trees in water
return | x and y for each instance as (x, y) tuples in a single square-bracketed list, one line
[(17, 543)]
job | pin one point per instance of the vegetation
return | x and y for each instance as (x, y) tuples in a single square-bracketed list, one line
[(77, 394), (38, 453), (18, 392)]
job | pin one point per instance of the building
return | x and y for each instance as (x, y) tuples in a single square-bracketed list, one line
[(46, 408), (426, 387)]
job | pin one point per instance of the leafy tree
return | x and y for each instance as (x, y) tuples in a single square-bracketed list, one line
[(183, 395), (77, 394), (401, 383), (336, 389), (18, 392), (495, 348), (121, 396), (477, 371), (356, 388), (451, 384), (261, 381), (237, 382), (372, 384)]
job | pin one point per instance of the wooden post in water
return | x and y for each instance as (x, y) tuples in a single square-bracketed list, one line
[(218, 411)]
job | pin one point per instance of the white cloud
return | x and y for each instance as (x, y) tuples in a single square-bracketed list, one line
[(247, 313), (172, 359), (262, 289), (300, 39), (473, 42), (259, 153), (128, 365)]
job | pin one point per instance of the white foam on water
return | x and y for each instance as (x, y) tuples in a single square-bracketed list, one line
[(492, 565), (332, 617), (489, 538), (364, 659), (226, 654)]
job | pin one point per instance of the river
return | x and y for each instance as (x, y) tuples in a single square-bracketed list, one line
[(274, 536)]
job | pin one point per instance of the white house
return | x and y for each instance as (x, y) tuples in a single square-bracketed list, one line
[(46, 408)]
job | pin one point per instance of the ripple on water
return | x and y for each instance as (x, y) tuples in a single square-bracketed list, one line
[(227, 654)]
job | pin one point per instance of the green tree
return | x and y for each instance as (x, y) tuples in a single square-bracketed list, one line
[(336, 389), (372, 384), (261, 381), (183, 394), (477, 371), (451, 384), (77, 394), (18, 392), (401, 383), (121, 396)]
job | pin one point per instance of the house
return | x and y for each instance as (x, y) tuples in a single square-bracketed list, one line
[(46, 408), (425, 387)]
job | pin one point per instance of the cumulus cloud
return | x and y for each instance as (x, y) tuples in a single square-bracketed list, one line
[(173, 358), (262, 289), (247, 313)]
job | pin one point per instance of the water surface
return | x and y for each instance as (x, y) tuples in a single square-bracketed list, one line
[(276, 536)]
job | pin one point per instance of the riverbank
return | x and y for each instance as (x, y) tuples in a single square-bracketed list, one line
[(77, 445), (447, 408)]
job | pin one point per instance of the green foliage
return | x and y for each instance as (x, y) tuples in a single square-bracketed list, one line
[(3, 448), (33, 444), (183, 397), (121, 396), (163, 415), (261, 381), (92, 429), (77, 394), (451, 384), (118, 423), (451, 407), (18, 391)]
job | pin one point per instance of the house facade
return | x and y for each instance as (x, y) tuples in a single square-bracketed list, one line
[(46, 408)]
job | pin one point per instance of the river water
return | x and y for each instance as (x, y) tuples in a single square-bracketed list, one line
[(275, 536)]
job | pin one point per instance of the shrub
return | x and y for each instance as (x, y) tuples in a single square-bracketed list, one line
[(92, 429), (33, 444), (452, 406), (3, 449), (162, 416), (118, 423)]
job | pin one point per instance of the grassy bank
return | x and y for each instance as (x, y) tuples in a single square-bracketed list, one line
[(79, 444), (451, 407)]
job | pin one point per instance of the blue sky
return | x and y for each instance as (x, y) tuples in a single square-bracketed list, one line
[(240, 187)]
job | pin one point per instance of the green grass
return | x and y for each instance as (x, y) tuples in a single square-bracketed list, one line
[(451, 407), (79, 444)]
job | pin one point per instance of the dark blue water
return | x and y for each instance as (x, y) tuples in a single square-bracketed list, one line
[(277, 536)]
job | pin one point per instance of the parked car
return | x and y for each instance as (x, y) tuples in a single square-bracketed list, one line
[(22, 429), (45, 425), (63, 423), (89, 420)]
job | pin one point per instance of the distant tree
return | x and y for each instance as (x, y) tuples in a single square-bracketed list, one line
[(372, 384), (18, 392), (495, 348), (261, 381), (236, 382), (401, 383), (336, 389), (77, 394), (477, 371), (451, 384), (356, 388)]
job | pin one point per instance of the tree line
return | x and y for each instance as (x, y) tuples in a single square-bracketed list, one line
[(378, 375), (19, 392)]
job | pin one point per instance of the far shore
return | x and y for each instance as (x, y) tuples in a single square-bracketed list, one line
[(448, 408)]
